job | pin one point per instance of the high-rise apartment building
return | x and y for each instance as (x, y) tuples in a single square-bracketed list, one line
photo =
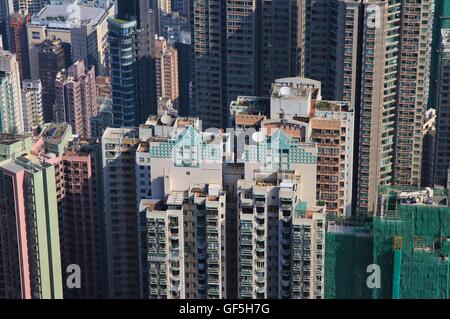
[(412, 89), (19, 44), (166, 66), (76, 97), (188, 201), (332, 128), (131, 39), (182, 245), (228, 38), (6, 9), (80, 208), (441, 20), (11, 119), (32, 105), (118, 152), (442, 153), (82, 29), (281, 230), (79, 195), (373, 53), (30, 6), (183, 47), (51, 61), (297, 108), (29, 237)]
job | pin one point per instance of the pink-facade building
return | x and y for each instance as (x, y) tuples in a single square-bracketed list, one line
[(75, 97), (30, 257), (14, 252), (166, 63), (78, 194)]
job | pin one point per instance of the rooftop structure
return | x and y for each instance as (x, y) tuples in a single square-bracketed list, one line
[(293, 98), (67, 16)]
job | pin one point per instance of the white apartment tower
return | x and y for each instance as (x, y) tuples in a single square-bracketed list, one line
[(32, 105), (182, 210), (297, 108), (183, 245), (281, 230), (11, 119)]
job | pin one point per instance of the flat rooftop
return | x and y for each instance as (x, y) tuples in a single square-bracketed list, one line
[(54, 133), (68, 14), (9, 139), (296, 88)]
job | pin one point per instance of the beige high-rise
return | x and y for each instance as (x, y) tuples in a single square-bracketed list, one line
[(166, 63)]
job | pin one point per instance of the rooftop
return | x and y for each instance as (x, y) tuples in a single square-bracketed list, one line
[(9, 139), (414, 196), (248, 119), (68, 15), (296, 88), (335, 106), (55, 132)]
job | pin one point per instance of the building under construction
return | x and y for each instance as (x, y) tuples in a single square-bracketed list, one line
[(409, 240)]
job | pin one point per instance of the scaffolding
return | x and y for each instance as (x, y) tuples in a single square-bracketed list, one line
[(410, 242), (347, 255), (411, 246)]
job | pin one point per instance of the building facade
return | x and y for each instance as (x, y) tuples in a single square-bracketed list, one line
[(118, 153), (52, 60), (166, 66), (442, 160), (11, 118), (31, 260), (132, 63), (76, 97), (260, 38), (19, 44), (82, 29), (281, 230), (32, 105)]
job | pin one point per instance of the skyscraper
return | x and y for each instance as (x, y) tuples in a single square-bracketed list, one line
[(192, 207), (29, 236), (11, 120), (30, 6), (441, 21), (240, 47), (51, 61), (32, 105), (80, 209), (19, 43), (281, 231), (118, 153), (6, 8), (442, 155), (83, 32), (131, 34), (373, 53), (76, 97), (166, 66)]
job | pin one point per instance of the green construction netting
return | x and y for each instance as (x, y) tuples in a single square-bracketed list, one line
[(346, 258), (425, 267)]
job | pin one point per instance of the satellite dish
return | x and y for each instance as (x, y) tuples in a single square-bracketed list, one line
[(285, 91), (258, 137), (166, 119)]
